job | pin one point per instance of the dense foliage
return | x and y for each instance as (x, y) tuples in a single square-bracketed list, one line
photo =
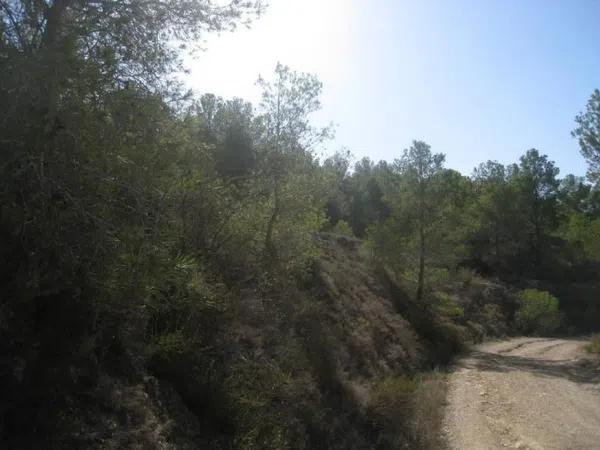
[(140, 225), (538, 312)]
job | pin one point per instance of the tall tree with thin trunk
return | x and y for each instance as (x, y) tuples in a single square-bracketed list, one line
[(288, 137), (420, 170)]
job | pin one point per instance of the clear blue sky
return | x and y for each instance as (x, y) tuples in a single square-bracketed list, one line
[(477, 80)]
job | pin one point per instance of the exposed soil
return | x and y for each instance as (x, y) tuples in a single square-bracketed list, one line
[(526, 393)]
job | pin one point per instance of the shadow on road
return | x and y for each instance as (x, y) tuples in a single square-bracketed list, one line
[(578, 371)]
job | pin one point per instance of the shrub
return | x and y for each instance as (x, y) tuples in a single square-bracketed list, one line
[(436, 276), (493, 319), (407, 412), (176, 358), (318, 342), (538, 312), (464, 276), (450, 340), (447, 307), (491, 312), (428, 414), (594, 345), (263, 400), (391, 396), (342, 227), (476, 331), (391, 406)]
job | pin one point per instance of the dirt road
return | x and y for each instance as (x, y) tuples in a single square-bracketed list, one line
[(527, 393)]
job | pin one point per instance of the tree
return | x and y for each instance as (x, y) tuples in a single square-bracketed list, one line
[(517, 211), (90, 140), (420, 170), (537, 187), (588, 135), (336, 169), (235, 155), (429, 215), (574, 196), (584, 233), (287, 136), (493, 243), (366, 194), (135, 41), (538, 312)]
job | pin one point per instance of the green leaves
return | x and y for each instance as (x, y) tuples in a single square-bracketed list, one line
[(428, 217), (538, 312), (516, 211), (129, 41), (588, 135), (584, 232), (287, 103)]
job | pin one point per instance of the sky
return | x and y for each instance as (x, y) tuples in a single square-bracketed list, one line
[(476, 80)]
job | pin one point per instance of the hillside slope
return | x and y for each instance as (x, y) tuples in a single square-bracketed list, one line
[(328, 361)]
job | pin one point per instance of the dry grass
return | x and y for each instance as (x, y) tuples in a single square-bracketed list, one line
[(408, 412), (429, 401)]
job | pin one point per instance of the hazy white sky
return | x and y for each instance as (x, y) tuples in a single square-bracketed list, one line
[(308, 35), (476, 80)]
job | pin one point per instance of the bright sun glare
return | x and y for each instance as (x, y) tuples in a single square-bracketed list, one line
[(308, 35)]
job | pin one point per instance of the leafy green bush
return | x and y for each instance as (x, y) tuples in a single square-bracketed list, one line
[(491, 312), (447, 307), (493, 319), (538, 312), (342, 227)]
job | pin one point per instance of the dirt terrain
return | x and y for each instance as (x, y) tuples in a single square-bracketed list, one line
[(526, 393)]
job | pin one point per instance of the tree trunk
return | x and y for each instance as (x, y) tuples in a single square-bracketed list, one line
[(54, 15), (269, 246), (497, 246), (421, 282), (52, 46)]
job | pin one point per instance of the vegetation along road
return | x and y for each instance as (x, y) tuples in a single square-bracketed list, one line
[(527, 393)]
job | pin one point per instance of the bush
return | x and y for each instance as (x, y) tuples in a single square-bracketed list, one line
[(493, 319), (182, 362), (263, 402), (491, 313), (391, 407), (342, 227), (464, 276), (594, 345), (407, 412), (391, 396), (538, 312), (436, 277), (446, 307), (429, 401)]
